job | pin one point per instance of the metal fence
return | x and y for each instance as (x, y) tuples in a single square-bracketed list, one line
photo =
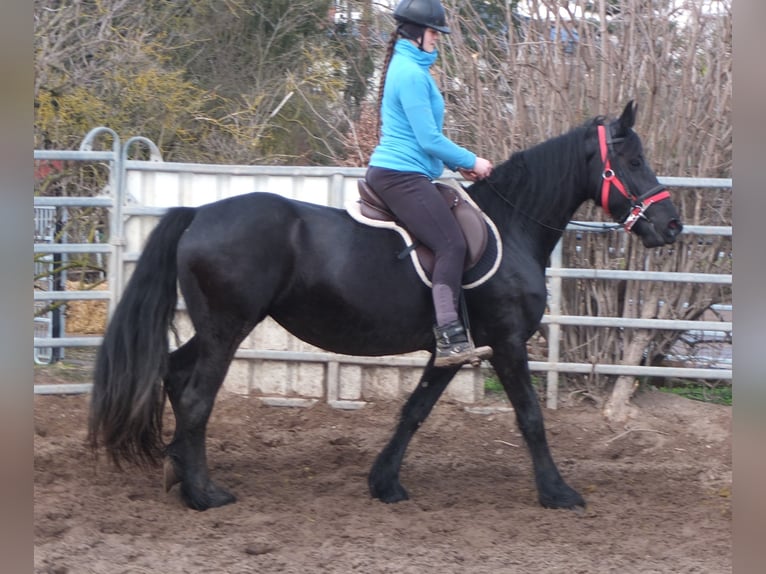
[(142, 190), (45, 231)]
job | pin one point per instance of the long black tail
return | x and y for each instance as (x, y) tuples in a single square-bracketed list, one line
[(128, 397)]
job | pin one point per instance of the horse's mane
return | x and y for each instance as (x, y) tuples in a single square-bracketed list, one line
[(538, 180)]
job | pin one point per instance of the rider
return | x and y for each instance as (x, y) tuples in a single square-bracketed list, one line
[(411, 153)]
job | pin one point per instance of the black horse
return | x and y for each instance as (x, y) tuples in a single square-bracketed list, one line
[(339, 285)]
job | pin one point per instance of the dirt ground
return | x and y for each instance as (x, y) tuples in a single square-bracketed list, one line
[(658, 492)]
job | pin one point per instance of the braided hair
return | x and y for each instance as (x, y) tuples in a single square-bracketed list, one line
[(408, 30), (386, 62)]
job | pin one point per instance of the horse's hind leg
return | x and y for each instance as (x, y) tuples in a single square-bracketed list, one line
[(197, 372), (180, 368), (383, 479), (513, 372)]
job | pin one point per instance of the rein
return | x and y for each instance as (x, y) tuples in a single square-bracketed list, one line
[(607, 227)]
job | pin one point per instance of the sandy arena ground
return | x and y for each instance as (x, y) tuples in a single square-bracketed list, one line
[(659, 494)]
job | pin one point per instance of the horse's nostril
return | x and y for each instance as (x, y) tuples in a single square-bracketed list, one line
[(673, 230)]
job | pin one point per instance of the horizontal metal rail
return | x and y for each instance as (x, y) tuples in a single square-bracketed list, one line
[(576, 273), (96, 201), (72, 248), (74, 155), (228, 169), (94, 341), (600, 369), (634, 323), (591, 226), (81, 295), (716, 182), (64, 389)]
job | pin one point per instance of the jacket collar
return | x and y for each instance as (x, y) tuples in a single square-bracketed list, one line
[(420, 57)]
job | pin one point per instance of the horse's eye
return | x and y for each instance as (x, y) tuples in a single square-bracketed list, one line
[(635, 162)]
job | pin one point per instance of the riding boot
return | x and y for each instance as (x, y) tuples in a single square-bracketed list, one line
[(454, 346)]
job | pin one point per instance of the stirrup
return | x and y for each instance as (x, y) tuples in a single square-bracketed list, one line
[(455, 347)]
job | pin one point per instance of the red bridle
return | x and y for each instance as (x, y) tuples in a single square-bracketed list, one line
[(639, 205)]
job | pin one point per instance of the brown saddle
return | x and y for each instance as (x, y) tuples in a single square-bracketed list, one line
[(468, 217)]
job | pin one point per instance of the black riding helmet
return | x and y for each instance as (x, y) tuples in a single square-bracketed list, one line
[(428, 13)]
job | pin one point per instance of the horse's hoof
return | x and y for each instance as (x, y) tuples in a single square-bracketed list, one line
[(579, 510), (170, 476), (220, 496), (212, 496), (570, 500), (390, 494)]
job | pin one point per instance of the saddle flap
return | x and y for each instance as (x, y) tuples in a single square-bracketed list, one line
[(475, 230), (471, 222)]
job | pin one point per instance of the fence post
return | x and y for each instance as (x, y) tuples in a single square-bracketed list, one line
[(554, 331), (114, 269), (336, 190)]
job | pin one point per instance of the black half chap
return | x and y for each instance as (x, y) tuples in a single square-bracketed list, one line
[(418, 204)]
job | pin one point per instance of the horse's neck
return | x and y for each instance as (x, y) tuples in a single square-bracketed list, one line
[(544, 239), (542, 229), (536, 192), (550, 236)]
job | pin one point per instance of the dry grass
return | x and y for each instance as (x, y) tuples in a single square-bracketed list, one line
[(86, 317)]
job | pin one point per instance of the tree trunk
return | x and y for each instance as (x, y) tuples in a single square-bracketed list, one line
[(618, 408)]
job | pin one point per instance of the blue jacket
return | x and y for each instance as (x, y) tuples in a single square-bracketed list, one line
[(412, 117)]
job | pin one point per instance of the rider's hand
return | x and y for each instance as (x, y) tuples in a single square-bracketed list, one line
[(468, 174), (482, 168)]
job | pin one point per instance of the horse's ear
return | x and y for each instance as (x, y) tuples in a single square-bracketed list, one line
[(628, 117)]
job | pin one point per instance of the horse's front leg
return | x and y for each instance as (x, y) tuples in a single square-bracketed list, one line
[(383, 479), (513, 370)]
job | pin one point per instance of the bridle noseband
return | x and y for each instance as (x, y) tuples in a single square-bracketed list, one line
[(639, 204)]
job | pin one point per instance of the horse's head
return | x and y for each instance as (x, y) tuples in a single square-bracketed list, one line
[(629, 191)]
